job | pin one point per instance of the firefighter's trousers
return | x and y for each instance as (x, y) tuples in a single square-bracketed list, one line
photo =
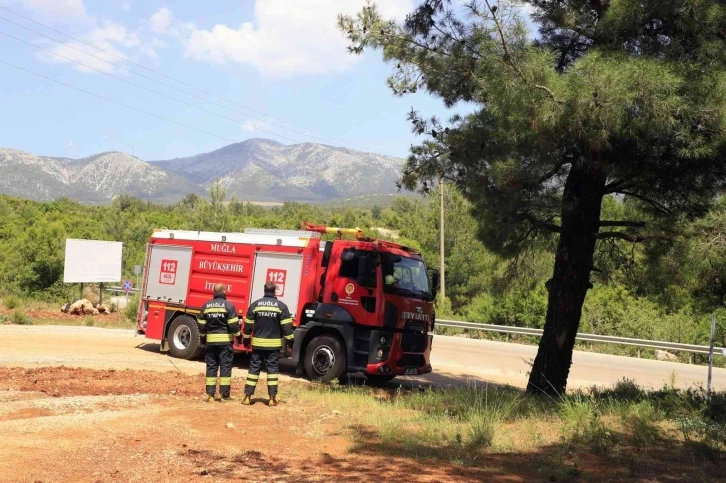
[(271, 360), (219, 357)]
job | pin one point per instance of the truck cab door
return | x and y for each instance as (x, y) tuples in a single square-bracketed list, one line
[(351, 281)]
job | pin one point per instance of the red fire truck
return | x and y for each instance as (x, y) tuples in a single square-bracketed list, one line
[(359, 305)]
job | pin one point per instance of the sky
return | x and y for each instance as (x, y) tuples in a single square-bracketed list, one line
[(175, 79)]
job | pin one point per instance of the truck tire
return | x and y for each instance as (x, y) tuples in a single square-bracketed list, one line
[(325, 359), (183, 338), (380, 379)]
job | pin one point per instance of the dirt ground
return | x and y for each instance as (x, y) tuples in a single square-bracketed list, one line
[(73, 424), (84, 404)]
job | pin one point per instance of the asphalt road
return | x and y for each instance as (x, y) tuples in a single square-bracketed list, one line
[(506, 363), (455, 360)]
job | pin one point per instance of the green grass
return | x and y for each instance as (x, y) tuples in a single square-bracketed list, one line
[(19, 318), (12, 302), (463, 425)]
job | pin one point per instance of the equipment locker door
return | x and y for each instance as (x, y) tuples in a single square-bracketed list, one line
[(283, 269), (168, 277)]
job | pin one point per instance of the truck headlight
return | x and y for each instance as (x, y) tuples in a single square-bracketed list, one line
[(382, 340)]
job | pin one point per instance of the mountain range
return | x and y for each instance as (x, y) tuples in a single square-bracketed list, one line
[(253, 170)]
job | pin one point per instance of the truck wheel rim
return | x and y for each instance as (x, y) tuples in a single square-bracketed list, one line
[(182, 337), (323, 359)]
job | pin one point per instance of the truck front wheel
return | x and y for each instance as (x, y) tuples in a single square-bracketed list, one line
[(183, 337), (325, 359)]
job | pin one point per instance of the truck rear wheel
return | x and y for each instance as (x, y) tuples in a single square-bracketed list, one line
[(325, 359), (183, 338)]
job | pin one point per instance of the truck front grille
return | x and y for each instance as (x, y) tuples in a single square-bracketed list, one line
[(414, 338)]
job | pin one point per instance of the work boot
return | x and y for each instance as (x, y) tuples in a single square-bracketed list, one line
[(226, 399), (247, 400), (209, 398), (273, 401)]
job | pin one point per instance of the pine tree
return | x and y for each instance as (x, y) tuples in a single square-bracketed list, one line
[(621, 98)]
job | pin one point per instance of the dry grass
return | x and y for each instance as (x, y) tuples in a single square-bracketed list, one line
[(625, 432), (44, 313), (112, 321)]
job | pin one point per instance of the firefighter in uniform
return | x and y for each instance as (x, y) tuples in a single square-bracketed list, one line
[(219, 324), (266, 323)]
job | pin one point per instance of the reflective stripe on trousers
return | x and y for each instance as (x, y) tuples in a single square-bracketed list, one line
[(219, 358), (271, 360)]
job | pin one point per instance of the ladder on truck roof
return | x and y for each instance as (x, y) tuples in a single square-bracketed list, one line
[(264, 237), (275, 232)]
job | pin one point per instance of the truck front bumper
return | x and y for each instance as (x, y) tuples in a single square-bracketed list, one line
[(406, 354)]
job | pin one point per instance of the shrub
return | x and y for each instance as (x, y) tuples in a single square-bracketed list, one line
[(582, 424), (641, 420), (481, 430), (11, 302), (577, 413), (704, 436), (19, 318), (132, 309), (89, 322)]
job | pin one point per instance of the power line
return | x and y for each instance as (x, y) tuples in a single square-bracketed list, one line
[(162, 74), (236, 121), (147, 77), (117, 103)]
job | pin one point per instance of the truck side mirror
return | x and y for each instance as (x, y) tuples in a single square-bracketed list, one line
[(435, 279)]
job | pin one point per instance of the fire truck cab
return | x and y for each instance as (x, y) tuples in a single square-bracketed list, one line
[(359, 305)]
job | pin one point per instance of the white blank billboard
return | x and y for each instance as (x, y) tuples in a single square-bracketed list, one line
[(92, 261)]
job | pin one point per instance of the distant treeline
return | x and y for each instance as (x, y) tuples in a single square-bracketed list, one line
[(660, 291)]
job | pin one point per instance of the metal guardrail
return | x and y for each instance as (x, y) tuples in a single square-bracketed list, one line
[(120, 289), (604, 339)]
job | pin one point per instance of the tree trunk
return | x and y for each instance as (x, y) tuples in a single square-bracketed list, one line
[(581, 203)]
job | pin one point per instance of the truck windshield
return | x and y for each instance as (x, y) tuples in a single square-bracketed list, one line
[(405, 276)]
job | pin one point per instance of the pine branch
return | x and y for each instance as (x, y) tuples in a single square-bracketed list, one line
[(535, 222), (626, 223), (619, 184), (552, 172), (655, 204), (508, 58), (633, 238)]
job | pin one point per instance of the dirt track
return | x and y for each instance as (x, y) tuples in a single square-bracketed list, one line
[(64, 424), (87, 404)]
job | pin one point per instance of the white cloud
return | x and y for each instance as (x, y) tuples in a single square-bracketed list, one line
[(288, 37), (161, 20), (125, 7), (57, 10), (111, 37)]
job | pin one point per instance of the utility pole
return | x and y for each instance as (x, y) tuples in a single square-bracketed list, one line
[(441, 243)]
